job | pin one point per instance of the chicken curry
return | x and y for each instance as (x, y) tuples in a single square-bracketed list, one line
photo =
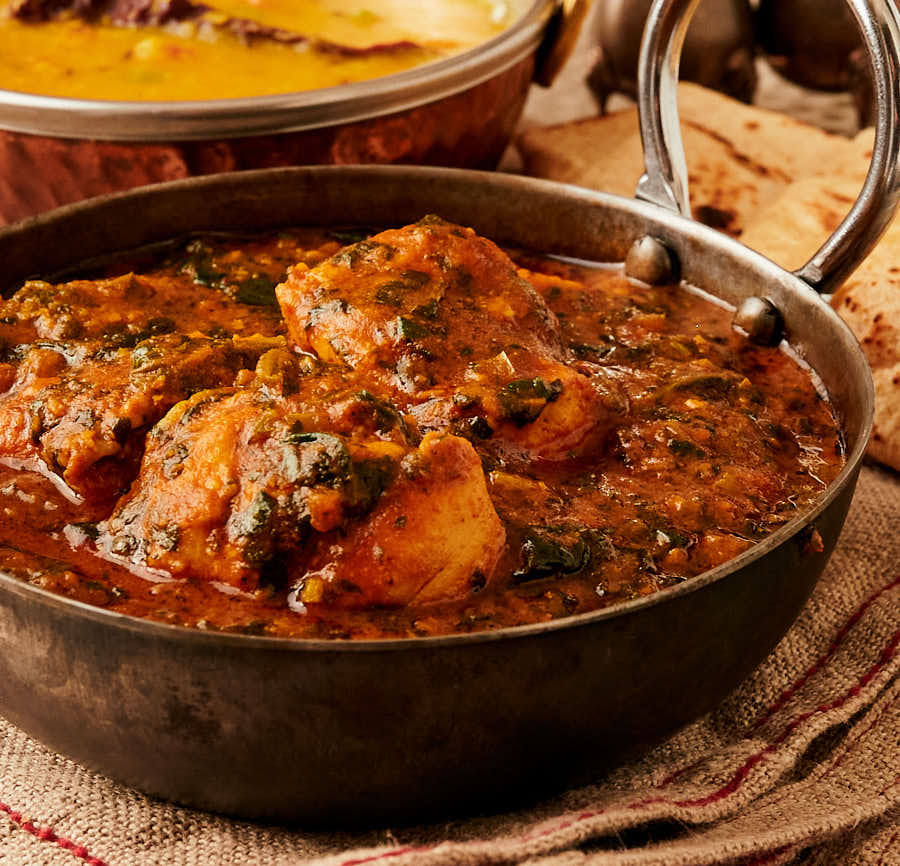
[(413, 432)]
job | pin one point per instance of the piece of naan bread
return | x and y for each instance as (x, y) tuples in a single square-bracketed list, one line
[(792, 227), (740, 158), (869, 302), (780, 185)]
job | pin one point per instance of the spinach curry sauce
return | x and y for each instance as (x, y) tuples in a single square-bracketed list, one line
[(346, 435)]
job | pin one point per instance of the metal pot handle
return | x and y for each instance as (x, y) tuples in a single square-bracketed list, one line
[(665, 180)]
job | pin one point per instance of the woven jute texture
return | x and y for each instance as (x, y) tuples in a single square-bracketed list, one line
[(801, 764)]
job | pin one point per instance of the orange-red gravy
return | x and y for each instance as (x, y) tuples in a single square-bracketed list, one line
[(721, 442)]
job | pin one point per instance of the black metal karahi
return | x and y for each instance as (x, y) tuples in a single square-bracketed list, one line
[(357, 732)]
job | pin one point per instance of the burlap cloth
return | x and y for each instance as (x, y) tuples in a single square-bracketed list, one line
[(801, 764)]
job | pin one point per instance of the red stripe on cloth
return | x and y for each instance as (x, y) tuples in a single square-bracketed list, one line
[(576, 819), (737, 779), (396, 852), (768, 856), (46, 834), (735, 782), (887, 788), (792, 689), (675, 775), (849, 746)]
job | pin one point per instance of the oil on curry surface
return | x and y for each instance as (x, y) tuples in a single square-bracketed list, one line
[(404, 433)]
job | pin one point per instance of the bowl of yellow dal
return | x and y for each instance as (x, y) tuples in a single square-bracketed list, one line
[(104, 95)]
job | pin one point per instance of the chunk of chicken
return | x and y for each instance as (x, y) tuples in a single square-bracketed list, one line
[(433, 536), (442, 319), (527, 408), (230, 478), (235, 481), (416, 305), (84, 417)]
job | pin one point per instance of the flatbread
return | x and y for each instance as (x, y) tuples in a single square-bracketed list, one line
[(791, 228), (869, 302), (740, 158), (885, 442)]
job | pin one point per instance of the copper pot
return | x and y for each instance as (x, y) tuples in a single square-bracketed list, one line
[(456, 112)]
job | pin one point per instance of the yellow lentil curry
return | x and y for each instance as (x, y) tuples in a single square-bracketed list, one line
[(412, 434), (186, 50)]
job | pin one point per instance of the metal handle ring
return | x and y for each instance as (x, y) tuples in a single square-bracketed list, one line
[(664, 182)]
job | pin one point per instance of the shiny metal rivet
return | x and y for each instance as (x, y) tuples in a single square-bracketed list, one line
[(651, 261), (761, 320)]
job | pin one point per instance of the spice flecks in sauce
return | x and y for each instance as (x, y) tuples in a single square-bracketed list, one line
[(527, 440)]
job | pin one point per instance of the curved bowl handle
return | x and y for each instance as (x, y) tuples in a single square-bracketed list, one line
[(665, 180)]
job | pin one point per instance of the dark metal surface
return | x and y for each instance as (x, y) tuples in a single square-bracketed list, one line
[(359, 732), (719, 50)]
